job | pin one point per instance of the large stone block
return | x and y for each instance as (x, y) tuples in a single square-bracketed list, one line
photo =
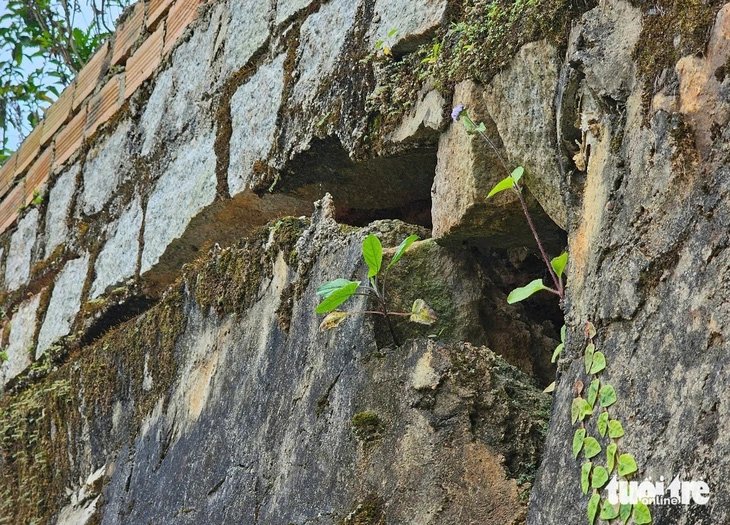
[(413, 21), (247, 31), (117, 260), (286, 8), (177, 98), (22, 331), (107, 166), (17, 269), (320, 47), (187, 186), (253, 122), (65, 303), (59, 203), (521, 102)]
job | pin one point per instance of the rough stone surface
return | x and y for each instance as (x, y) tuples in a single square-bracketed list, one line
[(650, 271), (59, 203), (179, 98), (290, 424), (17, 264), (520, 100), (190, 183), (20, 343), (253, 122), (286, 8), (247, 31), (117, 260), (64, 304), (320, 48), (426, 116), (107, 166), (415, 22)]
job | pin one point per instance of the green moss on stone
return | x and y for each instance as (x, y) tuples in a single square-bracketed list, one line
[(366, 426)]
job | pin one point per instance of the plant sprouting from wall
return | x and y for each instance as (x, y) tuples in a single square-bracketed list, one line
[(336, 292), (555, 266)]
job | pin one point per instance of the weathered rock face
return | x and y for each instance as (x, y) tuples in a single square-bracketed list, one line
[(140, 390), (226, 403), (647, 239)]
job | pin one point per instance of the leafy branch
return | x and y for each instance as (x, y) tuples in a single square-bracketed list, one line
[(336, 292)]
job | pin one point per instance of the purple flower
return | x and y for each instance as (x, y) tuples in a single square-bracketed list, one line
[(456, 112)]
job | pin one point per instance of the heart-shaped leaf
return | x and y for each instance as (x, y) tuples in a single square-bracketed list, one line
[(593, 508), (603, 424), (642, 514), (588, 356), (559, 263), (591, 447), (611, 456), (608, 511), (615, 429), (598, 363), (593, 392), (585, 472), (578, 438), (626, 465), (421, 313), (607, 396), (599, 477)]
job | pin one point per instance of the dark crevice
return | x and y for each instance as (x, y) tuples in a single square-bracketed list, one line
[(116, 315)]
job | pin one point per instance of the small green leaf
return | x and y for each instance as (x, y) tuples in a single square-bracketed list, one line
[(598, 363), (642, 514), (607, 396), (578, 438), (575, 409), (580, 409), (611, 456), (332, 320), (558, 264), (392, 33), (593, 392), (520, 294), (502, 185), (625, 512), (402, 249), (562, 334), (591, 447), (517, 174), (372, 251), (326, 289), (3, 356), (615, 430), (421, 313), (603, 423), (590, 350), (556, 352), (608, 511), (481, 128), (593, 507), (336, 298), (378, 44), (599, 477), (585, 472), (626, 465), (550, 388)]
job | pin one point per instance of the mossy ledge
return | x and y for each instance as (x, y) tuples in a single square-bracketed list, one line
[(37, 460)]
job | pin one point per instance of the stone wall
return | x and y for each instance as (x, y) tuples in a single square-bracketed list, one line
[(160, 349)]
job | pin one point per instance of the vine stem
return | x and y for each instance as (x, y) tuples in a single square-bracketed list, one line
[(558, 284)]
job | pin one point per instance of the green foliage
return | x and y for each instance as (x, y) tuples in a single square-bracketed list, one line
[(336, 292), (626, 465), (594, 363), (642, 514), (47, 42), (608, 511), (591, 447), (585, 473), (559, 348), (593, 507), (599, 477), (522, 293), (578, 438), (559, 263), (3, 356)]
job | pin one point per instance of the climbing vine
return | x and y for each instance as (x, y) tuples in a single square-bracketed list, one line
[(599, 396)]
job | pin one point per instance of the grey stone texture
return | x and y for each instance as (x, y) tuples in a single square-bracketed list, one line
[(107, 166), (20, 253), (184, 189), (247, 31), (57, 213), (65, 303), (117, 260), (412, 21), (286, 8), (254, 109), (20, 341)]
